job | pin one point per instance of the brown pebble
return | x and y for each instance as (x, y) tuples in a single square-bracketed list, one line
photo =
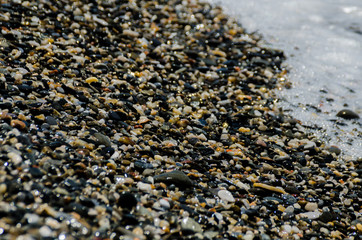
[(18, 124), (126, 140)]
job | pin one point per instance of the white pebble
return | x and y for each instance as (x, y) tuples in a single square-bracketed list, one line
[(289, 209), (311, 215), (226, 196), (187, 109), (130, 33), (15, 158), (45, 231), (287, 228), (18, 76), (144, 187)]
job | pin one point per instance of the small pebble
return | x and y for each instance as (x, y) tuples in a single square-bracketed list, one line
[(311, 206), (144, 187), (226, 196), (165, 204), (347, 114), (190, 225), (127, 200)]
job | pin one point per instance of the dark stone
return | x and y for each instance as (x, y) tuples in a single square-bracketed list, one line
[(328, 216), (77, 207), (129, 219), (142, 165), (334, 149), (117, 116), (72, 185), (127, 200), (347, 114), (51, 121), (289, 199), (25, 197), (36, 172), (175, 177)]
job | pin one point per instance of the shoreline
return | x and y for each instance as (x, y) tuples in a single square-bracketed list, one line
[(140, 120), (324, 81)]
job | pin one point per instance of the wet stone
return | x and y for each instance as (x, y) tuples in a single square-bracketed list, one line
[(175, 177), (226, 196), (328, 216), (188, 225), (36, 172), (334, 149), (103, 139), (347, 114), (51, 120), (127, 200), (142, 165)]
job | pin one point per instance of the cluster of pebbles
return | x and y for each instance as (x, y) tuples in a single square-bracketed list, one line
[(125, 119)]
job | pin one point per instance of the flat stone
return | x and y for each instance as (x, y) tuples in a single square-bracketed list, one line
[(311, 215), (175, 177), (103, 139)]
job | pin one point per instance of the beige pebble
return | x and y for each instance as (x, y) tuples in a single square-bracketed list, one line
[(311, 206), (268, 187)]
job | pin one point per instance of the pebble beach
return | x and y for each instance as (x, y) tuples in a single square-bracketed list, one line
[(157, 120)]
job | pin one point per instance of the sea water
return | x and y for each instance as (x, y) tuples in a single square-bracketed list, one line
[(322, 40)]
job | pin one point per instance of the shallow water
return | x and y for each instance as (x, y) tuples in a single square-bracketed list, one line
[(323, 44)]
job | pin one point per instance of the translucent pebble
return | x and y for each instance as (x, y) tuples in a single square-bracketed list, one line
[(226, 196)]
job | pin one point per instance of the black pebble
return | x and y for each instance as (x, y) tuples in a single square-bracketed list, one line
[(347, 114), (25, 197), (35, 172), (328, 216), (127, 200)]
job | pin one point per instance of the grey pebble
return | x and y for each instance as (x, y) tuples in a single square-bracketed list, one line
[(175, 177)]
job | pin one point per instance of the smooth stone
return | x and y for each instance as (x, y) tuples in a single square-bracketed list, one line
[(103, 139), (148, 172), (144, 187), (311, 215), (347, 114), (164, 204), (127, 200), (311, 206), (36, 172), (287, 228), (210, 234), (190, 225), (142, 165), (289, 209), (226, 196), (328, 216), (334, 149), (175, 177), (45, 231), (15, 158), (51, 120)]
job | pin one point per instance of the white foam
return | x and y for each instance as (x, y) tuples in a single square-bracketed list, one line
[(323, 44)]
